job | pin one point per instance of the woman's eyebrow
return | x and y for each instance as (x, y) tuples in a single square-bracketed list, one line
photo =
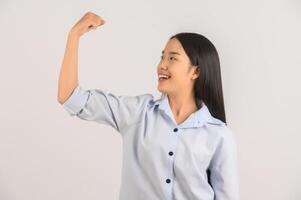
[(171, 52)]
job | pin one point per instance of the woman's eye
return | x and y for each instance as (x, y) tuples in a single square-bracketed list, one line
[(170, 58)]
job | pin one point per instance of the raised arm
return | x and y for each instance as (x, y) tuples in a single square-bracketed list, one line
[(68, 78)]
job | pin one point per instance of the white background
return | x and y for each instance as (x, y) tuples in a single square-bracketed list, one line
[(45, 154)]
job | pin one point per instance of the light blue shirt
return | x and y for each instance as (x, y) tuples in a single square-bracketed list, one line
[(163, 160)]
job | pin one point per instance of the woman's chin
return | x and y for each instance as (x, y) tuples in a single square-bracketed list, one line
[(161, 89)]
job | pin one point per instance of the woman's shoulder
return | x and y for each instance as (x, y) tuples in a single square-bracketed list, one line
[(224, 134), (220, 129)]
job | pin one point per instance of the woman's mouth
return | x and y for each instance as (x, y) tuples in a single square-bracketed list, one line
[(163, 77)]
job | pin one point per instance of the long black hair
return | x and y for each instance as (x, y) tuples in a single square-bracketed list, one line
[(208, 86)]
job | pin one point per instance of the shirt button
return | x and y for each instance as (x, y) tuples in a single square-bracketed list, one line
[(175, 130), (170, 153), (168, 180)]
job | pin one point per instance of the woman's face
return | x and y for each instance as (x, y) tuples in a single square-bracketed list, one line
[(176, 64)]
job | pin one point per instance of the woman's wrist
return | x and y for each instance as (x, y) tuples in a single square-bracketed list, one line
[(72, 35)]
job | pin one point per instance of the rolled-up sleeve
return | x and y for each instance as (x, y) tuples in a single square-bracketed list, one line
[(224, 168), (106, 108)]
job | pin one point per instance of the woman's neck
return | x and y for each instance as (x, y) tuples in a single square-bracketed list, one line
[(182, 105)]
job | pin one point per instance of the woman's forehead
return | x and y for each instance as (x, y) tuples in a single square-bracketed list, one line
[(173, 45)]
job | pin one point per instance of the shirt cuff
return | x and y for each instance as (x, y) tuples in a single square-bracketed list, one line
[(77, 100)]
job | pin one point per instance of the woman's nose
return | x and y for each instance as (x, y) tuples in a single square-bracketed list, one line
[(162, 66)]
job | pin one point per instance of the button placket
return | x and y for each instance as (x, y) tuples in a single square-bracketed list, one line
[(171, 156)]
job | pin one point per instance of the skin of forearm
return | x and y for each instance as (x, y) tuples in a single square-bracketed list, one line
[(68, 78)]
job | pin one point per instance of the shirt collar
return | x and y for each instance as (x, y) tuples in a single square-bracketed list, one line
[(197, 119)]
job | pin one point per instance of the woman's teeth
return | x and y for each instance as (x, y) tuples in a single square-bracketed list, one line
[(163, 76)]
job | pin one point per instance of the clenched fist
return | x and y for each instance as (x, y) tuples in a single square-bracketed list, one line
[(88, 22)]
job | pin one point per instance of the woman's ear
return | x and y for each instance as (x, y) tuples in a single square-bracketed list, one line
[(196, 72)]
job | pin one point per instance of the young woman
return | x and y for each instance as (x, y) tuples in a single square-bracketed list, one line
[(175, 147)]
